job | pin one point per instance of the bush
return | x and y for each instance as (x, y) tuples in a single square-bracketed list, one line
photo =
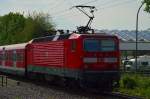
[(128, 82), (134, 84)]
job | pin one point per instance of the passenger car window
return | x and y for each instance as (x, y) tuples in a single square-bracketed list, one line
[(14, 56)]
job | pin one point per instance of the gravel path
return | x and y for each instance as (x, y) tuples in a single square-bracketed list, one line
[(33, 91)]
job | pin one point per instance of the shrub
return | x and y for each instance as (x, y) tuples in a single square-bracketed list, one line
[(136, 85), (128, 82)]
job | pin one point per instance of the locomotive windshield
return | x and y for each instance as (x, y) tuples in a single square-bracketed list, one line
[(96, 45)]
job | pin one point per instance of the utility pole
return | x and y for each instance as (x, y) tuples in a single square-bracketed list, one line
[(137, 21)]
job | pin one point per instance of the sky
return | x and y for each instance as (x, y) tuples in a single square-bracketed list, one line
[(110, 14)]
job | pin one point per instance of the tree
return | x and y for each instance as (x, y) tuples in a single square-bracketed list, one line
[(16, 28), (147, 8), (10, 25), (42, 23)]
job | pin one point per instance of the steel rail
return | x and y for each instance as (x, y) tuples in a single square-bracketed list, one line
[(121, 95)]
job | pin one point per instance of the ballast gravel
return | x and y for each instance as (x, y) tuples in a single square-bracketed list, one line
[(25, 90)]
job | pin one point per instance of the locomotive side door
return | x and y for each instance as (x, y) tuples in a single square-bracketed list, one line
[(72, 59), (72, 54)]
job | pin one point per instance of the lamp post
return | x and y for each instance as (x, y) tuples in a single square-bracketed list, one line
[(137, 19)]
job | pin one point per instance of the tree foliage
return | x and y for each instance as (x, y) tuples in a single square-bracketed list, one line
[(147, 8), (16, 28)]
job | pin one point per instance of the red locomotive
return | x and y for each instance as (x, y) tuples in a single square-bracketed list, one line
[(91, 60), (87, 58)]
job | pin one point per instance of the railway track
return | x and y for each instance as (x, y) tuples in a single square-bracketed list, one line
[(75, 92), (118, 95)]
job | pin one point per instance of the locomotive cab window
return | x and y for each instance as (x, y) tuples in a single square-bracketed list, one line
[(107, 45), (97, 45), (91, 45)]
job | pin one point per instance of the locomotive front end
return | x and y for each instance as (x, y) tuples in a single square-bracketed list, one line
[(100, 61)]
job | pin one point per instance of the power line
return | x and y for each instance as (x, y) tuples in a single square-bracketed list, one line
[(69, 2), (59, 4), (92, 1), (117, 4), (62, 12), (53, 4), (65, 11), (106, 2)]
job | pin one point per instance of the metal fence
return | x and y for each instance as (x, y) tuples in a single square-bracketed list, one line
[(3, 80)]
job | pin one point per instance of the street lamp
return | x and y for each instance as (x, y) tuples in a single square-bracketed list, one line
[(137, 19)]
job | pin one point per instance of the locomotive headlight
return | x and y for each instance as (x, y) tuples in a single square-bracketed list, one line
[(110, 59), (89, 59)]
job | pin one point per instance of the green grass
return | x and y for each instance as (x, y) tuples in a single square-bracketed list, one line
[(134, 84)]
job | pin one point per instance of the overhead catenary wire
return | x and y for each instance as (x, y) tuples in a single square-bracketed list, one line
[(58, 5), (53, 4), (106, 2), (63, 11), (116, 4), (66, 12), (69, 2), (104, 6), (92, 1)]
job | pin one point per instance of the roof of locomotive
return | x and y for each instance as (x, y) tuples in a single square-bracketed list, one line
[(64, 37), (51, 38), (48, 38), (14, 46)]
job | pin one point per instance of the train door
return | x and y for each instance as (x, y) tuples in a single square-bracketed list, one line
[(72, 56), (73, 59)]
